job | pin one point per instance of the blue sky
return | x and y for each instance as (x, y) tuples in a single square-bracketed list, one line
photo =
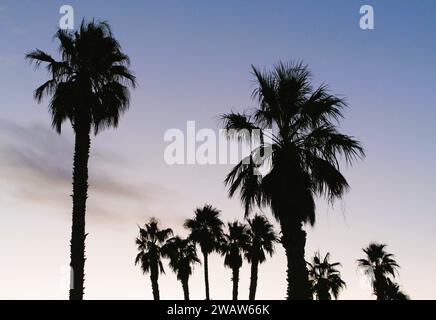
[(192, 60)]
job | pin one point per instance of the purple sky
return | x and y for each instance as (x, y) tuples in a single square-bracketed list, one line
[(192, 60)]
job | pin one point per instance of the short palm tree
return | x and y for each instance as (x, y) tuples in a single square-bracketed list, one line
[(304, 162), (325, 277), (378, 265), (206, 229), (261, 240), (150, 241), (182, 255), (88, 87), (233, 246)]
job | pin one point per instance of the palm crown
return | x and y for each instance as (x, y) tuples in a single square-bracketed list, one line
[(306, 145), (90, 81), (378, 261), (149, 244), (325, 277), (234, 244), (206, 228), (182, 256), (261, 239)]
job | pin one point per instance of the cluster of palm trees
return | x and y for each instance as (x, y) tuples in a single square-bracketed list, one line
[(89, 87), (254, 241)]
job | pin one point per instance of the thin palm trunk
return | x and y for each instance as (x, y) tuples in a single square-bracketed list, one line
[(206, 275), (235, 279), (80, 194), (185, 287), (154, 276), (294, 242), (253, 279)]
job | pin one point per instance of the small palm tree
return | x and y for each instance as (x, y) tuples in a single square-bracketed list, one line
[(206, 229), (233, 246), (378, 265), (183, 255), (304, 162), (88, 87), (149, 243), (261, 240), (325, 277)]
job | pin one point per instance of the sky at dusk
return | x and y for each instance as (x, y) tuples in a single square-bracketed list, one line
[(192, 60)]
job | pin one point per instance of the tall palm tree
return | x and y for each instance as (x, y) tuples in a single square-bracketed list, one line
[(183, 255), (206, 229), (304, 162), (150, 241), (325, 277), (88, 87), (233, 246), (378, 265), (261, 240)]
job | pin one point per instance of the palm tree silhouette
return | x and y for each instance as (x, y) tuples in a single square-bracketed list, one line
[(325, 277), (306, 149), (378, 265), (149, 243), (89, 88), (393, 291), (206, 229), (183, 255), (233, 246), (261, 239)]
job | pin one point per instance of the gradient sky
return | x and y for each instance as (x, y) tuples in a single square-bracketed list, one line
[(192, 60)]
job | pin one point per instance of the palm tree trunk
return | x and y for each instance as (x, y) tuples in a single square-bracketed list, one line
[(253, 279), (80, 194), (294, 242), (206, 275), (235, 279), (379, 286), (185, 287), (323, 293), (154, 276)]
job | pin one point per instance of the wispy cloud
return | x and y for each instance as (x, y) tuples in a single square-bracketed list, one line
[(36, 165)]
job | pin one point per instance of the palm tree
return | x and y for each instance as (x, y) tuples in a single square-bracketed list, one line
[(304, 162), (206, 229), (150, 241), (183, 255), (89, 88), (393, 291), (378, 265), (261, 239), (325, 277), (233, 246)]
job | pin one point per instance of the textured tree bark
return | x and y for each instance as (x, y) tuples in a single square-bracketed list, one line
[(206, 275), (80, 194), (294, 242), (253, 279), (235, 279)]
